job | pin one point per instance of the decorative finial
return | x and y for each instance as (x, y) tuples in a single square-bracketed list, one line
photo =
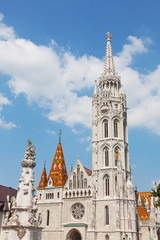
[(108, 36), (78, 157), (71, 167), (60, 133), (29, 143), (44, 164)]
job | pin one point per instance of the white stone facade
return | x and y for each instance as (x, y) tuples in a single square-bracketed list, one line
[(98, 205)]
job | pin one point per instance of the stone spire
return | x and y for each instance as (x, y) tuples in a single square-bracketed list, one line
[(58, 173), (95, 88), (109, 68), (43, 180)]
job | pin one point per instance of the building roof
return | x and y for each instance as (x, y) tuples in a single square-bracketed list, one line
[(58, 173), (142, 214), (88, 171), (4, 192), (144, 196), (43, 180)]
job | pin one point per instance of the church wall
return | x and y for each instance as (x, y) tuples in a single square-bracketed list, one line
[(67, 211)]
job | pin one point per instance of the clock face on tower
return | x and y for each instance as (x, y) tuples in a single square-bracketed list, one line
[(78, 211)]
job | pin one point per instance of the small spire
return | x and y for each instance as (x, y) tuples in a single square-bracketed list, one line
[(60, 133), (139, 200), (44, 164), (78, 157), (109, 63)]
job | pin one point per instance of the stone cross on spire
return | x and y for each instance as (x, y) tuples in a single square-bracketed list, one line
[(109, 64)]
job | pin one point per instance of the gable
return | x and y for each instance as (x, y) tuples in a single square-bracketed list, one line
[(79, 183)]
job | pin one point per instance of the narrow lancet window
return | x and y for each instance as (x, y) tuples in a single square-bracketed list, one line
[(106, 157), (81, 179), (78, 176), (47, 217), (70, 185), (106, 181), (74, 180), (105, 128), (116, 156), (107, 216), (85, 183), (115, 128)]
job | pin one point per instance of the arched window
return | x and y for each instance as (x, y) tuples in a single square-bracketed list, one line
[(106, 183), (105, 128), (78, 176), (58, 195), (40, 196), (107, 237), (70, 185), (81, 179), (106, 157), (107, 215), (116, 155), (85, 183), (74, 180), (47, 217), (115, 128), (116, 184)]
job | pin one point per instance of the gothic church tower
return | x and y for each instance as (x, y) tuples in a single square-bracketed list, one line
[(115, 197)]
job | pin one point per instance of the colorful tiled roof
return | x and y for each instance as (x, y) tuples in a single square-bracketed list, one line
[(58, 171), (88, 171), (142, 214), (43, 180), (143, 196)]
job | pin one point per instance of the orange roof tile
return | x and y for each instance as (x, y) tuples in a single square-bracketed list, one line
[(58, 170), (143, 196), (88, 171), (142, 214), (43, 180)]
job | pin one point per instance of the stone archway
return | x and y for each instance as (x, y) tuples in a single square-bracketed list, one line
[(74, 234)]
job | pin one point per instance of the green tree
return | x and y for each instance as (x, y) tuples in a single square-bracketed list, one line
[(156, 193)]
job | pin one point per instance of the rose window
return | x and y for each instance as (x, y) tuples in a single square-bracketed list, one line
[(78, 211)]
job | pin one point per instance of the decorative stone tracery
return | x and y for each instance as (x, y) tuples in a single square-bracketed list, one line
[(78, 211)]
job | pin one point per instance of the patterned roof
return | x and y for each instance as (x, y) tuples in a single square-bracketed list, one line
[(143, 196), (142, 214), (43, 180), (58, 172), (88, 171)]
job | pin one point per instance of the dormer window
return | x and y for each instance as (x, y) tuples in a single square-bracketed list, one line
[(50, 182)]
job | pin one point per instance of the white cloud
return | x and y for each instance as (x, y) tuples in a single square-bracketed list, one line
[(5, 101), (5, 31), (55, 79), (87, 139), (50, 132)]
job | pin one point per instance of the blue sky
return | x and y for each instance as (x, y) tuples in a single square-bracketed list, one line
[(50, 54)]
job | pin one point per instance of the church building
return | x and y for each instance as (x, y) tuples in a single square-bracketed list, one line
[(98, 203)]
